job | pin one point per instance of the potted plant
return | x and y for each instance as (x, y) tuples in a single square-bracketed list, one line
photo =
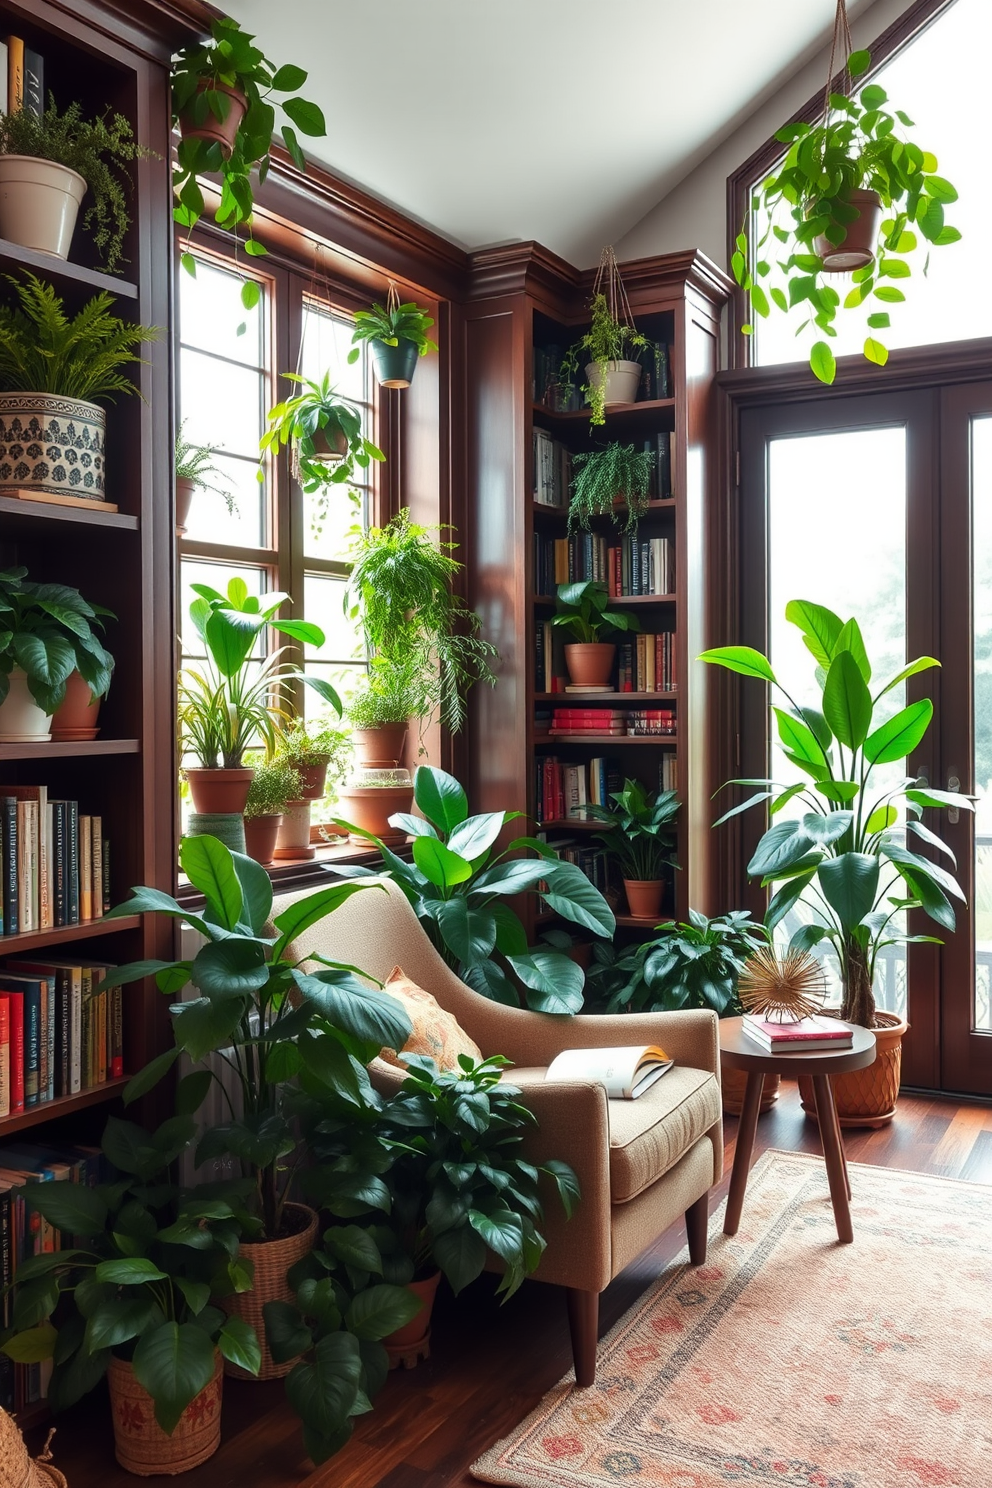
[(235, 702), (603, 480), (315, 749), (853, 195), (458, 886), (397, 337), (400, 590), (847, 855), (324, 433), (641, 837), (52, 367), (49, 632), (195, 471), (612, 376), (272, 1019), (380, 710), (270, 792), (583, 610), (223, 104), (132, 1298)]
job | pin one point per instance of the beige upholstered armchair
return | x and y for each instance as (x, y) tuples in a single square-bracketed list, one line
[(642, 1164)]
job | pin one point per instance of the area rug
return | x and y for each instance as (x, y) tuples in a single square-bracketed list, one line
[(790, 1359)]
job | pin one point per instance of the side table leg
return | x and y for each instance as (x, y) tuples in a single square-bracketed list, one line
[(833, 1154), (742, 1152)]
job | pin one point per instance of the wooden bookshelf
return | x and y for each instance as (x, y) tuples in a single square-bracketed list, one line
[(55, 939), (66, 1105), (68, 749), (63, 274)]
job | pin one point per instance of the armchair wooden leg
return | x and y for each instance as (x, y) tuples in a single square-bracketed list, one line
[(583, 1324), (696, 1226)]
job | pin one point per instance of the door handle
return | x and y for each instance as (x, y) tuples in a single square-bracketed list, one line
[(953, 814)]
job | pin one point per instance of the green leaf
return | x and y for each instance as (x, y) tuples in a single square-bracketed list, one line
[(570, 894), (256, 889), (68, 1206), (373, 1017), (288, 78), (881, 817), (900, 735), (461, 1254), (251, 293), (822, 362), (554, 981), (119, 1321), (286, 1331), (929, 796), (380, 1310), (875, 352), (200, 1026), (820, 627), (33, 1346), (827, 829), (880, 320), (782, 845), (230, 968), (149, 1077), (189, 264), (799, 740), (742, 659), (129, 1271), (439, 865), (566, 1182), (306, 116), (440, 798), (470, 934), (849, 884), (940, 188), (888, 294), (196, 1293), (858, 62), (239, 1344), (786, 898), (851, 639), (324, 1393), (303, 913), (209, 867), (838, 791), (921, 664), (173, 1363), (847, 703), (475, 836)]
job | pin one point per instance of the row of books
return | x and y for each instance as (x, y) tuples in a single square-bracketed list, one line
[(58, 1034), (549, 391), (561, 788), (22, 78), (593, 861), (23, 1233), (627, 565), (622, 722), (552, 470), (54, 862)]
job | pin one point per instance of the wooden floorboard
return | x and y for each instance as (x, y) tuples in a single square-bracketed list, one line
[(491, 1364)]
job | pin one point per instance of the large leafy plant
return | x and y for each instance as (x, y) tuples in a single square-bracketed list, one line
[(392, 324), (50, 631), (847, 855), (43, 350), (583, 610), (693, 965), (138, 1278), (458, 885), (857, 146), (641, 830), (310, 423), (244, 1018), (602, 477)]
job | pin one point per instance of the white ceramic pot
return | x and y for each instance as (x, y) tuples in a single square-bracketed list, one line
[(39, 202), (21, 720), (51, 445), (293, 840), (622, 381)]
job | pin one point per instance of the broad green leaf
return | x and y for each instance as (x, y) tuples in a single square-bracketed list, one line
[(224, 969), (470, 934), (847, 701), (200, 1026), (875, 352), (256, 887), (900, 735), (554, 982), (827, 829), (849, 884), (921, 664), (371, 1016), (129, 1271), (379, 1310), (440, 798), (174, 1363), (881, 817), (742, 659), (149, 1077), (570, 894), (238, 1342), (786, 898), (920, 867), (475, 836), (822, 362), (781, 846), (70, 1207), (851, 639), (839, 791), (751, 801), (303, 913), (799, 739), (820, 627), (119, 1321), (209, 866), (306, 116), (858, 62), (565, 1181), (461, 1254), (930, 796), (323, 1393), (442, 867), (925, 835), (33, 1346)]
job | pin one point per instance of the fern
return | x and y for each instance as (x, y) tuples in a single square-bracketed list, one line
[(42, 350)]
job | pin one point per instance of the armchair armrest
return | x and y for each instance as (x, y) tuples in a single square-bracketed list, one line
[(690, 1037)]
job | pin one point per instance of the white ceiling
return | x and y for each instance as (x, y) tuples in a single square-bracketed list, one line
[(560, 120)]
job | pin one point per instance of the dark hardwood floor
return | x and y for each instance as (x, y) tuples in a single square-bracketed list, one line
[(492, 1364)]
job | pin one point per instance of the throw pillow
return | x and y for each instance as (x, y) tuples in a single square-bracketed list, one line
[(435, 1031)]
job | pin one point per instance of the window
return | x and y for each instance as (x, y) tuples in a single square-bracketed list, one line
[(941, 79)]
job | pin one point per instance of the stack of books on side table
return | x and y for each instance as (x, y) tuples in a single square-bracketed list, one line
[(802, 1037)]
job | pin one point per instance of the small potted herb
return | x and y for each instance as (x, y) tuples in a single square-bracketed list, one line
[(315, 749), (195, 471), (49, 633), (273, 787), (397, 336), (641, 837), (324, 434), (47, 164), (380, 711), (603, 480), (583, 610)]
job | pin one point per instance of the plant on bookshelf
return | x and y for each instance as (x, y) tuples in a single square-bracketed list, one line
[(612, 482), (641, 837), (52, 367), (46, 165), (195, 471), (457, 887), (48, 632), (583, 610), (397, 337), (611, 375), (132, 1297)]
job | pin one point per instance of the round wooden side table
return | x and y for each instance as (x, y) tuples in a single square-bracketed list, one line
[(741, 1052)]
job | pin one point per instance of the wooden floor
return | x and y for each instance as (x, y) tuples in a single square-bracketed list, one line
[(492, 1364)]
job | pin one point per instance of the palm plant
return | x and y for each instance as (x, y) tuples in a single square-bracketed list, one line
[(43, 350)]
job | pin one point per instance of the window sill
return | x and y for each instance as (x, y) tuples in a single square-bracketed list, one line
[(300, 873)]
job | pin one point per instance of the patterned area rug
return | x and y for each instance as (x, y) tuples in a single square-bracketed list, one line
[(789, 1359)]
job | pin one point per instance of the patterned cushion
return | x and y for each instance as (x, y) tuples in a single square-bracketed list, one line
[(435, 1032)]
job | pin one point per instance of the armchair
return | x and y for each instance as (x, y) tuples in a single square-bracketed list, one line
[(641, 1164)]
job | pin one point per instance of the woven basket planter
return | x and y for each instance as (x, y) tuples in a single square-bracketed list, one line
[(141, 1445), (733, 1084), (867, 1097), (271, 1261), (52, 446), (16, 1467)]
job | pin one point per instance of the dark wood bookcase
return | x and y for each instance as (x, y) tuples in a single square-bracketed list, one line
[(526, 297)]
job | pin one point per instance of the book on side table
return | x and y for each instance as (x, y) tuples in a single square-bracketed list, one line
[(804, 1036), (626, 1072)]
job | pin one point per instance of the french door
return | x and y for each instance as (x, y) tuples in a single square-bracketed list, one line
[(879, 506)]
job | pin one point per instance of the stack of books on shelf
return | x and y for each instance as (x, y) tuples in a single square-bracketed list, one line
[(644, 721), (23, 1233), (802, 1037), (640, 566), (550, 672), (593, 861), (588, 721), (58, 1034), (561, 790), (22, 78), (668, 773), (655, 359), (660, 445), (547, 385), (647, 662), (54, 862), (552, 470)]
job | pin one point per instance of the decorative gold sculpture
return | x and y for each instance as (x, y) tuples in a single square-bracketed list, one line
[(782, 989)]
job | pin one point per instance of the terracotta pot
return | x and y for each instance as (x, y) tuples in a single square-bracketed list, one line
[(141, 1445), (412, 1341), (733, 1084), (293, 837), (590, 663), (184, 500), (394, 365), (644, 897), (76, 716), (271, 1260), (51, 445), (314, 778), (21, 719), (371, 806), (857, 250), (379, 748), (867, 1097), (221, 132), (219, 792), (329, 446), (623, 380), (260, 837), (39, 203), (580, 951)]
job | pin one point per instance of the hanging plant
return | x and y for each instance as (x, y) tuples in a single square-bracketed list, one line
[(853, 194), (397, 337), (611, 375), (618, 473)]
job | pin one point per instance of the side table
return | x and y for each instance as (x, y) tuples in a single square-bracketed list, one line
[(739, 1051)]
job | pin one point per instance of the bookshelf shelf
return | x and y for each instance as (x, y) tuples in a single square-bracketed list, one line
[(666, 741), (30, 940), (620, 599), (64, 1106), (650, 408), (68, 749), (573, 699), (32, 515), (660, 504), (13, 256)]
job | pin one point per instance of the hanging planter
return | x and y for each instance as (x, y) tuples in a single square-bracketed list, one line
[(853, 195), (214, 114), (612, 377), (397, 338)]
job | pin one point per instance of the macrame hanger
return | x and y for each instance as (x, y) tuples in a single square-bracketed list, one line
[(609, 283), (841, 42), (392, 296)]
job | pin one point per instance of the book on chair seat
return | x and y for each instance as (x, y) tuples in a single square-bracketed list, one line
[(808, 1034), (626, 1072)]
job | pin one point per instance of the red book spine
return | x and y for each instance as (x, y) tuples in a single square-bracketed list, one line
[(4, 1056), (16, 1005)]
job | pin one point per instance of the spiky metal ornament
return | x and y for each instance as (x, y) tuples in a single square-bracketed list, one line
[(782, 989)]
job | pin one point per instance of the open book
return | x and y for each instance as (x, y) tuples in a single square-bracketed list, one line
[(626, 1072)]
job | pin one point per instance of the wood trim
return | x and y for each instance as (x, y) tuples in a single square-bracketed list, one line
[(908, 368), (760, 161)]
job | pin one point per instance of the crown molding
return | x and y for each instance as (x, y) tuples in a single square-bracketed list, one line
[(910, 368)]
